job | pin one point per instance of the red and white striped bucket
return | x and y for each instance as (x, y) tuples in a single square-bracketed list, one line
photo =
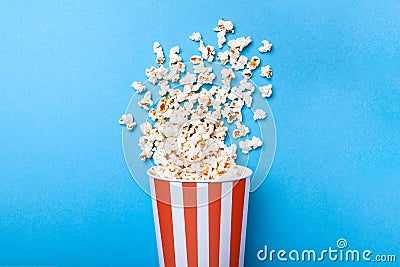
[(200, 223)]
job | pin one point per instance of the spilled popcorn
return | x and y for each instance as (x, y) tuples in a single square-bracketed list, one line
[(127, 120), (187, 136)]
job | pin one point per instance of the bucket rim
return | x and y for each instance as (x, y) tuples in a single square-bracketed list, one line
[(245, 173)]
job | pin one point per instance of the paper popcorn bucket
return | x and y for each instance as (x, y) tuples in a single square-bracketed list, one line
[(201, 223)]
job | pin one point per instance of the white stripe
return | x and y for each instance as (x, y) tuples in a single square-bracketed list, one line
[(244, 223), (156, 224), (225, 229), (178, 223), (202, 224)]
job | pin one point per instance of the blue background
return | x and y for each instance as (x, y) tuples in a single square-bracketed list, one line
[(66, 196)]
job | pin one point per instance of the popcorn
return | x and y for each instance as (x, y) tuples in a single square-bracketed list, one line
[(127, 120), (152, 75), (248, 100), (157, 49), (200, 69), (138, 87), (241, 130), (246, 85), (259, 114), (173, 56), (245, 146), (221, 38), (266, 71), (255, 142), (222, 28), (155, 74), (253, 63), (237, 93), (221, 95), (188, 79), (227, 74), (196, 59), (205, 75), (186, 138), (266, 47), (266, 91), (178, 117), (205, 78), (146, 101), (223, 57), (240, 63), (174, 50), (247, 73), (173, 75), (231, 114), (145, 128), (207, 52), (195, 37), (231, 150), (164, 87), (240, 43), (161, 72)]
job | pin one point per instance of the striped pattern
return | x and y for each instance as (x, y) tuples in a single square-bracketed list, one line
[(200, 224)]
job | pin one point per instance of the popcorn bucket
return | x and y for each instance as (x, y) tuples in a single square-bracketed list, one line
[(201, 223)]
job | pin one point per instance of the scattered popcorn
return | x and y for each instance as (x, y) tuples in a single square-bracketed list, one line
[(207, 52), (223, 27), (186, 138), (146, 101), (253, 63), (239, 43), (266, 91), (223, 57), (164, 87), (247, 73), (241, 130), (138, 87), (255, 142), (233, 55), (266, 71), (196, 59), (201, 69), (248, 100), (221, 38), (245, 146), (240, 63), (205, 78), (145, 128), (157, 49), (188, 79), (259, 114), (227, 74), (266, 47), (173, 75), (127, 120), (246, 85), (195, 37), (174, 50), (161, 72), (152, 75), (174, 58)]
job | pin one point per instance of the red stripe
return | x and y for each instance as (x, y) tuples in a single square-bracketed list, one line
[(236, 220), (163, 196), (214, 221), (190, 206)]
